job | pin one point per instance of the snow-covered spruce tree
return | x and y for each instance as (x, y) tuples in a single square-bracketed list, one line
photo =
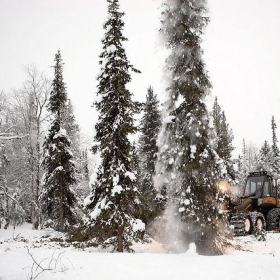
[(223, 139), (275, 164), (188, 165), (69, 123), (148, 149), (57, 198), (72, 128), (244, 159), (264, 158), (114, 196), (242, 166), (135, 166)]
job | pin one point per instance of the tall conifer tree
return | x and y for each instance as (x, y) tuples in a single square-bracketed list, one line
[(69, 123), (188, 165), (150, 124), (264, 159), (57, 198), (114, 195), (72, 128), (223, 139), (275, 164)]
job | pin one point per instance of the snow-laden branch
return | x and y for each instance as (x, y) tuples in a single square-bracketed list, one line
[(6, 136)]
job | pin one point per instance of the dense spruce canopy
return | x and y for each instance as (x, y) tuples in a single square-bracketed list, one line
[(57, 197), (58, 95), (188, 165), (69, 123), (148, 149), (223, 139), (72, 128), (114, 195)]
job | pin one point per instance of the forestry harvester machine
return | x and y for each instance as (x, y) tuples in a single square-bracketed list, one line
[(259, 206)]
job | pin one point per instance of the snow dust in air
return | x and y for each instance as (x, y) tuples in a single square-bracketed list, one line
[(168, 229)]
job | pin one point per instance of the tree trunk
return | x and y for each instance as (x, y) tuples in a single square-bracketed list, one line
[(61, 209), (8, 217), (37, 184), (33, 214), (120, 239)]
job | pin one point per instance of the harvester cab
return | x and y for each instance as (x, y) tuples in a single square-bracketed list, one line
[(259, 207), (260, 193)]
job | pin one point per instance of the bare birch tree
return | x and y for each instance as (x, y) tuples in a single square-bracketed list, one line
[(29, 111)]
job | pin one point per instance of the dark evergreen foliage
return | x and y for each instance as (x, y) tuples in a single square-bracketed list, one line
[(57, 198), (114, 196), (148, 150), (69, 123), (224, 138), (58, 97)]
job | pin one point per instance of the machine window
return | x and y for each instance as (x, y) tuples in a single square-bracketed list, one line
[(267, 189)]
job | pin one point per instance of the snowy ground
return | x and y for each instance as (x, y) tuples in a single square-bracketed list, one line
[(254, 260)]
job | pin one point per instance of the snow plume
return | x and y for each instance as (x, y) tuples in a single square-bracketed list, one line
[(169, 229), (176, 231), (161, 178)]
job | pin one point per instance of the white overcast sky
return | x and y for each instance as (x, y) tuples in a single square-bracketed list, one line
[(241, 52)]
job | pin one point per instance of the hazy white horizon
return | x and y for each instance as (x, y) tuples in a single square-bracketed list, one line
[(241, 49)]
